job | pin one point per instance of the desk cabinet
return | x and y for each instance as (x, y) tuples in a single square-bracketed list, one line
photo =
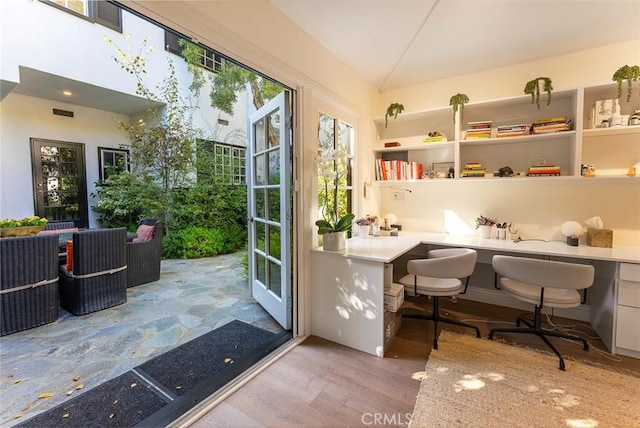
[(628, 307)]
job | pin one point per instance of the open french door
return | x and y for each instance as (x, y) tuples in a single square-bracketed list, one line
[(269, 205)]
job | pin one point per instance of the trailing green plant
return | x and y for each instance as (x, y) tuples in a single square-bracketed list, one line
[(196, 242), (628, 73), (458, 101), (393, 110), (532, 88)]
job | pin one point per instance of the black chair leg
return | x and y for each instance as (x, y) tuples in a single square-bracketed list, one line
[(535, 328), (436, 318)]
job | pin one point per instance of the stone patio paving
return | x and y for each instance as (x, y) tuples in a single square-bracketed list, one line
[(191, 298)]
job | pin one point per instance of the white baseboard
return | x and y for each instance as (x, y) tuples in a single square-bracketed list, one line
[(496, 297)]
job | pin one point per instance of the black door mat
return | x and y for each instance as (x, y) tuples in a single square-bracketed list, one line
[(165, 387)]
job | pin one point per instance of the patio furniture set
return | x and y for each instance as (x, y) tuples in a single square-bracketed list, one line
[(100, 265)]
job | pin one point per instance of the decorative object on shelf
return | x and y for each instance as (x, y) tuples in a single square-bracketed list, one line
[(393, 110), (458, 101), (628, 73), (634, 119), (435, 137), (597, 235), (505, 171), (24, 227), (366, 224), (331, 166), (571, 229), (513, 231), (532, 88)]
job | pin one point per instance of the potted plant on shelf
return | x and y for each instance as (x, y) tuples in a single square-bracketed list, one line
[(458, 101), (332, 226), (365, 225), (628, 73), (485, 225), (393, 110), (532, 88)]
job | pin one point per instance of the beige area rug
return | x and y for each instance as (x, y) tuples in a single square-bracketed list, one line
[(471, 382)]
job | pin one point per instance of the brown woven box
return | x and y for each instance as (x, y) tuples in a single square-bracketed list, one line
[(600, 238)]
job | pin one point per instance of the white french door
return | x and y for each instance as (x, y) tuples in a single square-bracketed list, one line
[(269, 169)]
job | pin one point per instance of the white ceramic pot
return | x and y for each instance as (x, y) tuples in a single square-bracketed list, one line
[(363, 231), (485, 231), (333, 241)]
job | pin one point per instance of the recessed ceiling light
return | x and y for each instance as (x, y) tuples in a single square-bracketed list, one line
[(67, 93)]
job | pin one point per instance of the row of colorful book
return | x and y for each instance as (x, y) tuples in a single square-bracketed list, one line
[(482, 129), (479, 129), (516, 130), (552, 124), (543, 171), (398, 170)]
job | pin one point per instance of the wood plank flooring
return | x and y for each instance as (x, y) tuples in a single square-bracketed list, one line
[(323, 384)]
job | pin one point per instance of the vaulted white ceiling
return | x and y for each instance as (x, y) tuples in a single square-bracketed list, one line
[(395, 43)]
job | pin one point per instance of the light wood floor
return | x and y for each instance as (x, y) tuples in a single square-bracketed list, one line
[(323, 384)]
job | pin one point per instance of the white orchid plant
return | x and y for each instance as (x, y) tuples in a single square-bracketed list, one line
[(331, 168)]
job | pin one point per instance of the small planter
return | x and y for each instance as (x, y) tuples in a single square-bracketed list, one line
[(7, 232), (363, 231), (485, 231), (333, 241)]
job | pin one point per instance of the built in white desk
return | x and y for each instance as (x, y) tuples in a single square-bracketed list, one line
[(347, 287)]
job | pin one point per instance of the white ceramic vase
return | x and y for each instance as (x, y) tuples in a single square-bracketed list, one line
[(363, 231), (333, 241), (485, 231)]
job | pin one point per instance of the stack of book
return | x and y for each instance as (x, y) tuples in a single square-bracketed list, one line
[(517, 130), (473, 169), (398, 170), (479, 129), (543, 171), (434, 137), (552, 124)]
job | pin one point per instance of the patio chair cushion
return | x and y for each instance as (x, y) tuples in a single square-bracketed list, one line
[(144, 232), (69, 266), (57, 231)]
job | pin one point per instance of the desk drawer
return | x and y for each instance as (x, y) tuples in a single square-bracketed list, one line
[(628, 335), (629, 293), (630, 272)]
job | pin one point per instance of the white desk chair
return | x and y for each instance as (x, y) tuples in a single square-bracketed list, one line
[(439, 275), (542, 283)]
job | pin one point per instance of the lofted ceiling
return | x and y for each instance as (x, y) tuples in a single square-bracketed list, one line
[(395, 43)]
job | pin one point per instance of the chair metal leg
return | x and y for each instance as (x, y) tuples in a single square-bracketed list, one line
[(535, 328), (436, 318)]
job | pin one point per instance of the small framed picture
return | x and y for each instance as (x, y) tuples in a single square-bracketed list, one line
[(443, 169)]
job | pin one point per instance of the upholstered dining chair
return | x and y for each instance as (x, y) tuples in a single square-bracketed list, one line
[(543, 283), (439, 275), (97, 278)]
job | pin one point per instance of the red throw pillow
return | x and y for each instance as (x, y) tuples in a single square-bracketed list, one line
[(144, 232), (69, 256)]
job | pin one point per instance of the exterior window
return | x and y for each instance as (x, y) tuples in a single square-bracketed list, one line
[(209, 59), (336, 134), (227, 162), (112, 161), (98, 11)]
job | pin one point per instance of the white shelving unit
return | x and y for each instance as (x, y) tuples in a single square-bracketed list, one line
[(612, 150)]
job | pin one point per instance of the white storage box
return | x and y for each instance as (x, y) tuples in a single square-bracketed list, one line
[(394, 297)]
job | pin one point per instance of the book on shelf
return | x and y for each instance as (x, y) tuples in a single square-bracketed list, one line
[(473, 169), (392, 144), (543, 171), (549, 125), (397, 170)]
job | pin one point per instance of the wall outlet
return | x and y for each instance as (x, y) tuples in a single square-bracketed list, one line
[(398, 196)]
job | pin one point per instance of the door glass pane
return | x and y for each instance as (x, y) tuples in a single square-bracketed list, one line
[(49, 154), (274, 129), (259, 198), (274, 242), (261, 269), (68, 155), (274, 167), (273, 196), (259, 136), (325, 131), (260, 178), (274, 279), (260, 236)]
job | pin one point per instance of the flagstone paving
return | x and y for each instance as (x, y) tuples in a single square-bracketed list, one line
[(77, 353)]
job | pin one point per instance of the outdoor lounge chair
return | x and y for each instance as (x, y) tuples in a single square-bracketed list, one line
[(98, 279), (143, 258), (29, 282), (59, 225)]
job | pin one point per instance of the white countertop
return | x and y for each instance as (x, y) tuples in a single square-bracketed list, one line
[(387, 248)]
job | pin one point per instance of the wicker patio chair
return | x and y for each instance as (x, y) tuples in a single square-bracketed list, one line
[(28, 282), (143, 258), (58, 225), (98, 279)]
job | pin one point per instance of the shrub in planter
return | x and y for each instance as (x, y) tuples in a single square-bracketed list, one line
[(195, 242)]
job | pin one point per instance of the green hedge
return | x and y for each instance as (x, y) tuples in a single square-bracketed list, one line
[(196, 242)]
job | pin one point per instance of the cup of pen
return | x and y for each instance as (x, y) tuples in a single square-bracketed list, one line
[(501, 231)]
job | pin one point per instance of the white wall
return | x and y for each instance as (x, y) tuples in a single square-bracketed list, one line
[(22, 118)]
